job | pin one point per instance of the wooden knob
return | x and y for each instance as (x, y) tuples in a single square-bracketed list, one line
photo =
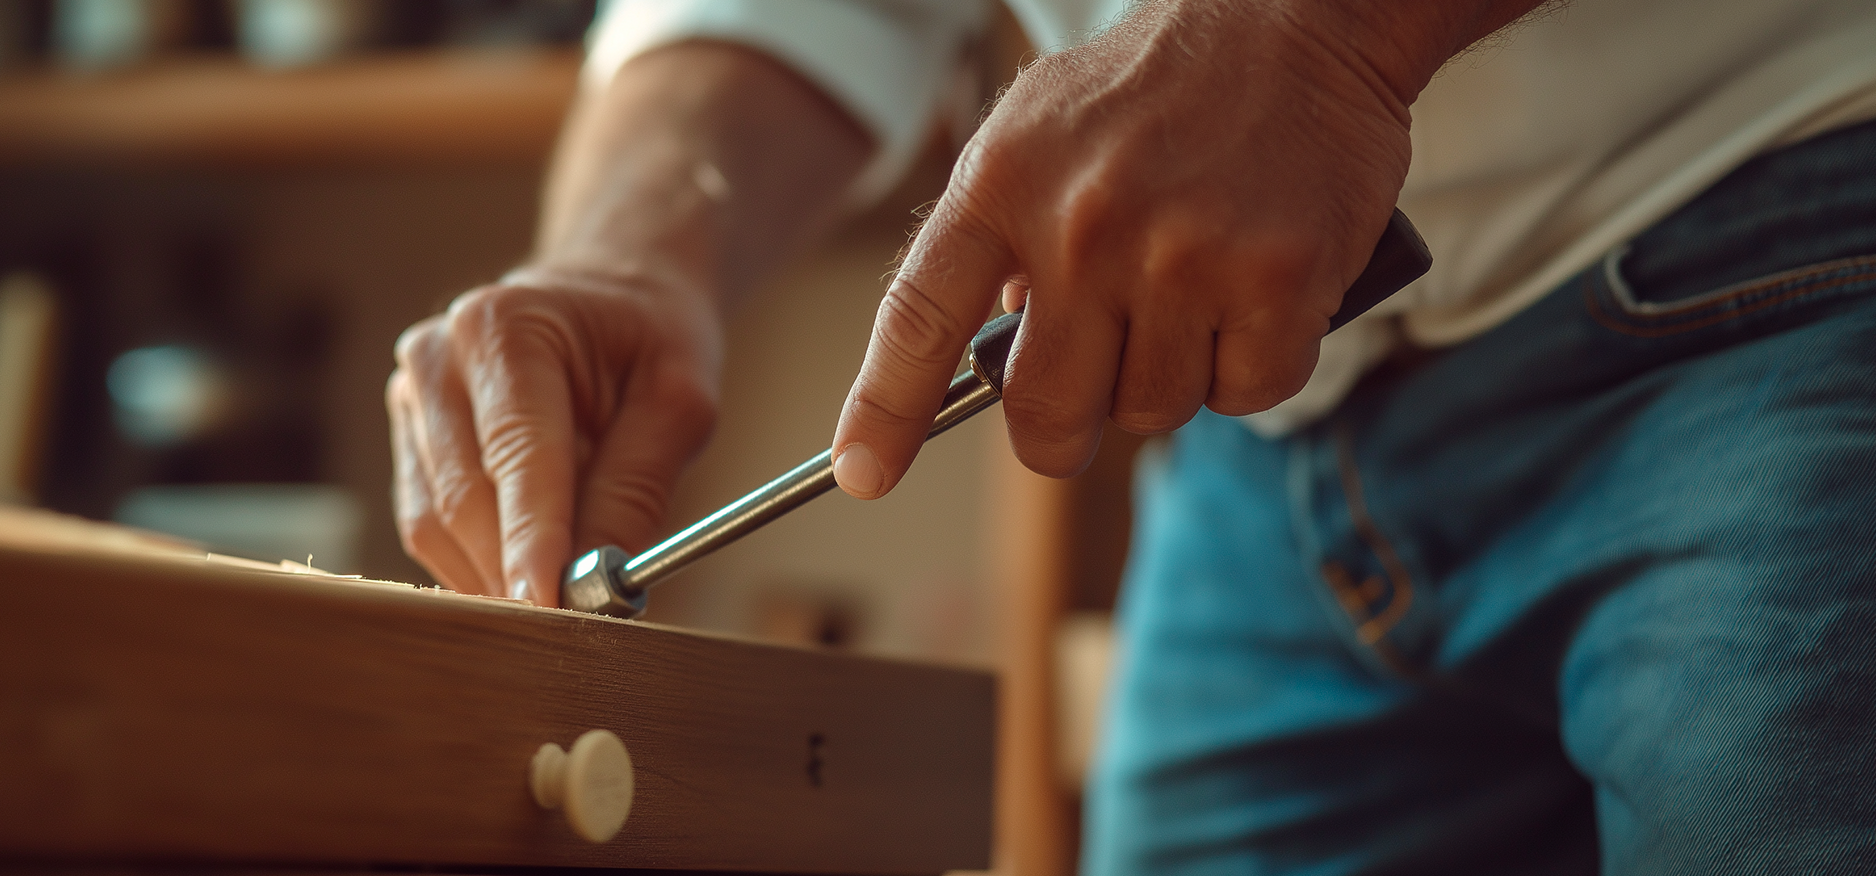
[(592, 783)]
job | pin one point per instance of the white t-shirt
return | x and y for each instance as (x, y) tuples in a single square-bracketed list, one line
[(1533, 154)]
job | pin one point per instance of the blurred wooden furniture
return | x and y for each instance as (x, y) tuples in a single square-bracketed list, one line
[(160, 707), (28, 352), (1060, 546), (434, 108)]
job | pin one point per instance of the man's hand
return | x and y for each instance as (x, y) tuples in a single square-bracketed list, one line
[(1177, 207), (541, 413), (553, 411)]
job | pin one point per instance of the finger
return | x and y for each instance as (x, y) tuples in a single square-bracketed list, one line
[(1165, 372), (422, 534), (450, 458), (1267, 346), (935, 304), (523, 417), (665, 418), (1263, 359), (1015, 293), (1060, 383)]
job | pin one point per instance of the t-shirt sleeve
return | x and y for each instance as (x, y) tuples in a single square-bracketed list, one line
[(887, 62)]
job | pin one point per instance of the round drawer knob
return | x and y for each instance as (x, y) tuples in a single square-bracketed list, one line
[(592, 782)]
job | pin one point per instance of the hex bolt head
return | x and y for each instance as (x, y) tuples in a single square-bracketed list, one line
[(596, 583)]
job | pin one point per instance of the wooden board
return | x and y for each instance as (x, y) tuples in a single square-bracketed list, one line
[(156, 707)]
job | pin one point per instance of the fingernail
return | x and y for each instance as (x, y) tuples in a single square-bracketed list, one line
[(857, 471), (519, 589)]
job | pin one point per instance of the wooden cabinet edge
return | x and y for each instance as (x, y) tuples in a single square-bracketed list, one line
[(718, 716)]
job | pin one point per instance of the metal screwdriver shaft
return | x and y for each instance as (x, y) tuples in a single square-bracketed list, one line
[(605, 581), (609, 581)]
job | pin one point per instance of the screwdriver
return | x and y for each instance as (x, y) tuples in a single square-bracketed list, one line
[(609, 581)]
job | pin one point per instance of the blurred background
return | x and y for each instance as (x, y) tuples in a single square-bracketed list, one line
[(217, 215)]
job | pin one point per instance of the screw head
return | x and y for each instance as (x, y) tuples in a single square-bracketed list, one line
[(595, 582)]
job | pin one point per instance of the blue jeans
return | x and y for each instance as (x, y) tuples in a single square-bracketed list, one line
[(1594, 591)]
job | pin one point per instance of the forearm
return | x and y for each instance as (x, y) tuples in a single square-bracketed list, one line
[(702, 164)]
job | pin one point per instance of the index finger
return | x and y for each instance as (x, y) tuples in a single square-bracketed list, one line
[(936, 302), (524, 422)]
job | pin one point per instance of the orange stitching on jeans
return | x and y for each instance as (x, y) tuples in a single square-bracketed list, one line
[(1351, 597), (1371, 630), (1608, 321), (1342, 584)]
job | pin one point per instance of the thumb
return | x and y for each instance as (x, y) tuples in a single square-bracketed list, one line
[(952, 272)]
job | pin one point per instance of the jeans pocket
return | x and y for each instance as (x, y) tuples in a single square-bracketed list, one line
[(1783, 233), (1778, 298)]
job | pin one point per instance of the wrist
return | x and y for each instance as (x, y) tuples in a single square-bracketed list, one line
[(1401, 45), (640, 217), (648, 279)]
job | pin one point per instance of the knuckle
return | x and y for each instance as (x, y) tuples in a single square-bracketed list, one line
[(988, 162), (455, 495), (1149, 422), (691, 400), (423, 536), (1088, 225), (502, 306), (990, 184), (1161, 386), (1055, 459), (1272, 272), (914, 327), (508, 442), (633, 504), (491, 313), (1039, 420), (1264, 355), (475, 307), (494, 329), (414, 343), (1179, 257), (881, 409), (1239, 389), (394, 388)]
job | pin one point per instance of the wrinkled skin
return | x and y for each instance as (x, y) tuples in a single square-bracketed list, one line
[(541, 413), (1177, 206)]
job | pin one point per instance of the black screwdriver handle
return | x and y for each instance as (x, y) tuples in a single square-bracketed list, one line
[(1400, 257)]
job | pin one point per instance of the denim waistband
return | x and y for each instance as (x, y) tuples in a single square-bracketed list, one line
[(1785, 239), (1805, 204)]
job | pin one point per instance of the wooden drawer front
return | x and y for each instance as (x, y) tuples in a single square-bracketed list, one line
[(201, 714)]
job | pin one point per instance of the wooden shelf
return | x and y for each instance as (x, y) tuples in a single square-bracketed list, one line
[(406, 109)]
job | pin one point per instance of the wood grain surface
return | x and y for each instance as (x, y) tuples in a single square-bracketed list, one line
[(158, 709)]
